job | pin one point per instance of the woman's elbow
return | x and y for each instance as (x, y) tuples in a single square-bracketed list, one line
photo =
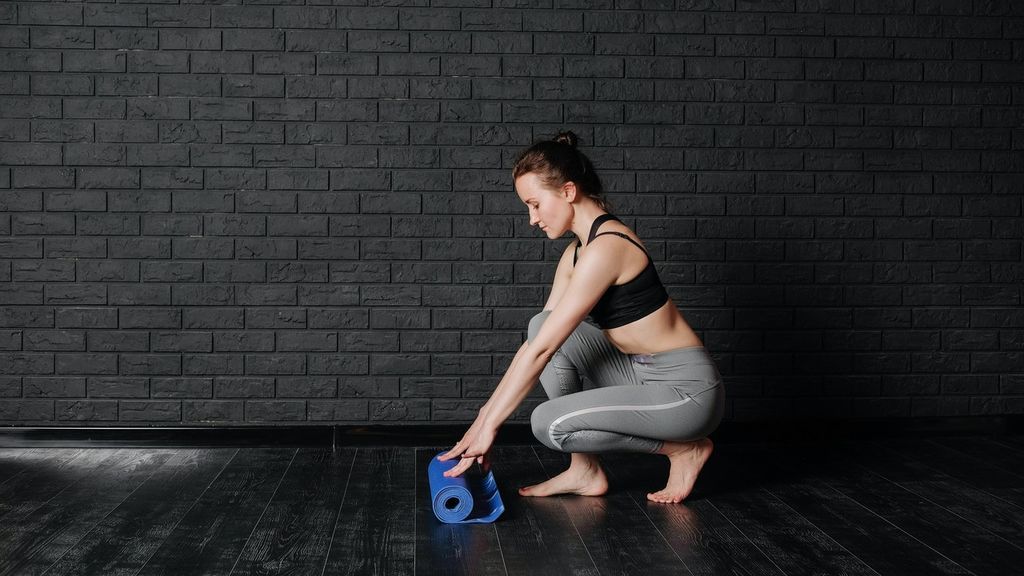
[(539, 354)]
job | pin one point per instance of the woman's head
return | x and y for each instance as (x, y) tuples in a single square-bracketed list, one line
[(558, 162), (553, 173)]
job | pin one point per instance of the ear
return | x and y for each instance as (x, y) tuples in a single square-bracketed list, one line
[(569, 191)]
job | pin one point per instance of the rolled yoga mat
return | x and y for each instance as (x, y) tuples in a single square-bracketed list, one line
[(467, 498)]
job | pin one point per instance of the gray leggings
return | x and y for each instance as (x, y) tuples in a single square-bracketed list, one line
[(639, 400)]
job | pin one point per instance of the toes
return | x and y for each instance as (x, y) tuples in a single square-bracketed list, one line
[(529, 491)]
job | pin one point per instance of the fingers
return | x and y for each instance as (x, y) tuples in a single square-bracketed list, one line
[(449, 456), (459, 468), (455, 451)]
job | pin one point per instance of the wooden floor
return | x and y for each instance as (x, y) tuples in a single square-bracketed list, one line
[(938, 505)]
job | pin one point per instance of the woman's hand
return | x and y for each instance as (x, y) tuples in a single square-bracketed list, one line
[(474, 446)]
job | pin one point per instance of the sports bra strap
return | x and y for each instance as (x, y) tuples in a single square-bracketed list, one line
[(597, 223), (627, 238), (576, 253), (593, 232)]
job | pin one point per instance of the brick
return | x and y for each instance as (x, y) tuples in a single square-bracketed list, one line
[(368, 18), (428, 19), (447, 42), (86, 410), (172, 39), (189, 17), (339, 410), (315, 41), (304, 17), (58, 15), (242, 17), (254, 39), (114, 15), (409, 65), (348, 64), (212, 411), (116, 39), (377, 41), (67, 38), (286, 63), (149, 411)]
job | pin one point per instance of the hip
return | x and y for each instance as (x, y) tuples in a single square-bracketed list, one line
[(691, 368)]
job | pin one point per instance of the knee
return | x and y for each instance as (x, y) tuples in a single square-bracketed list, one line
[(540, 421), (535, 323)]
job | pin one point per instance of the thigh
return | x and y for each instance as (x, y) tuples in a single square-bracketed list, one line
[(661, 412)]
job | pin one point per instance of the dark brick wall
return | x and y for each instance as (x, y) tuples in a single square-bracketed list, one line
[(222, 214)]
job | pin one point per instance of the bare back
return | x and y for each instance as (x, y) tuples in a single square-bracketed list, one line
[(663, 329)]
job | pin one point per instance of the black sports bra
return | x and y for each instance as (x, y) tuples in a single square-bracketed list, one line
[(625, 303)]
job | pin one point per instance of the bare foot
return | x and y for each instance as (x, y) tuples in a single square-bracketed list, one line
[(687, 459), (585, 480)]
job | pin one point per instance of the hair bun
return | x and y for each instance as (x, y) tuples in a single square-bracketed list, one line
[(567, 137)]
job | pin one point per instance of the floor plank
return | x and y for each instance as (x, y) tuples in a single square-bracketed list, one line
[(10, 463), (29, 545), (121, 542), (917, 474), (975, 472), (620, 537), (966, 544), (294, 532), (1016, 440), (212, 534), (792, 541), (450, 549), (802, 484), (536, 534), (373, 534), (47, 473), (705, 540), (988, 450)]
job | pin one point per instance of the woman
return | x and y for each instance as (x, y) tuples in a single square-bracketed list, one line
[(657, 389)]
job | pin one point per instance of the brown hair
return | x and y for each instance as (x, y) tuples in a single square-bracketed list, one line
[(558, 161)]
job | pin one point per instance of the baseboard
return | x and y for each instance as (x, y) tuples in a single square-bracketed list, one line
[(510, 434)]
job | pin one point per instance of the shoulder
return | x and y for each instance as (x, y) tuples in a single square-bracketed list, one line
[(611, 233), (605, 248), (615, 226)]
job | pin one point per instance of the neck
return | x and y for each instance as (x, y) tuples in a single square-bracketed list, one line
[(583, 220)]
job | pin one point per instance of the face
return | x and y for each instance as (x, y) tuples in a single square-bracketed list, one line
[(550, 209)]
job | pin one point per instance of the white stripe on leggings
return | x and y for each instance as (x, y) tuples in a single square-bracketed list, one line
[(559, 420)]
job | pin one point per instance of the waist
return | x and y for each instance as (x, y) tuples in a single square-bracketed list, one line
[(687, 355)]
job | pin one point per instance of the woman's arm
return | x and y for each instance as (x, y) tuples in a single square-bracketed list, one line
[(563, 274), (502, 384), (520, 378), (589, 281)]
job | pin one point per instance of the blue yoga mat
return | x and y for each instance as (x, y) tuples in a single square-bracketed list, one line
[(468, 498)]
